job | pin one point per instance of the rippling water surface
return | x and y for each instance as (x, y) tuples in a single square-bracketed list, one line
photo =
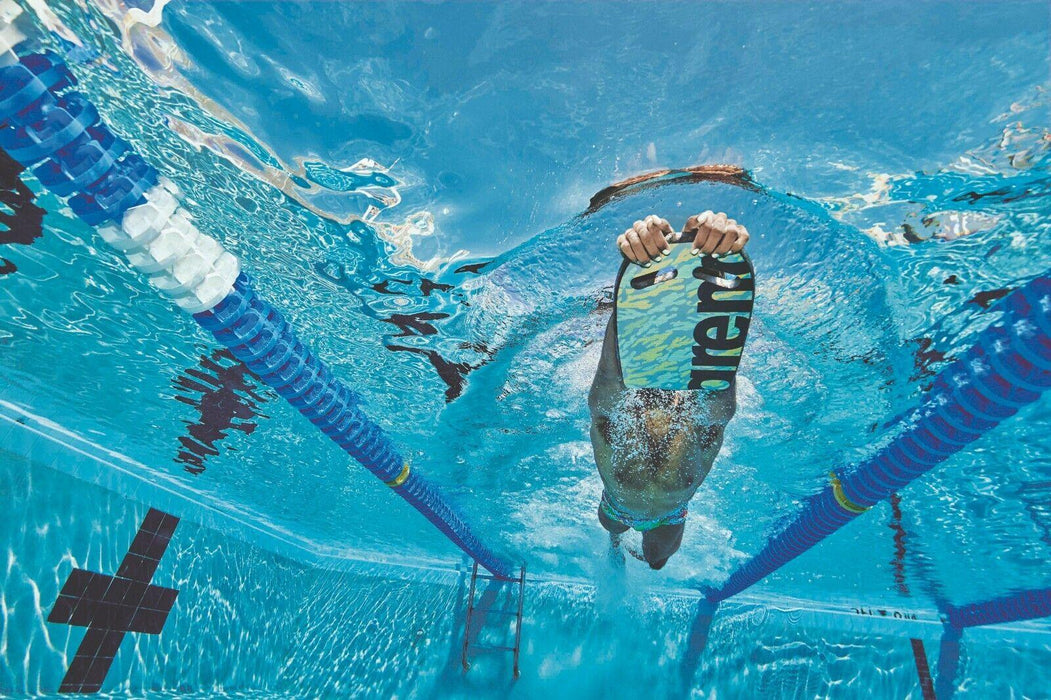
[(411, 183)]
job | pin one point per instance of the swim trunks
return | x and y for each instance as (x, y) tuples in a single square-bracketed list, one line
[(618, 514)]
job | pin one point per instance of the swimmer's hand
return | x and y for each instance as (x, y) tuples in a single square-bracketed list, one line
[(715, 234), (647, 240)]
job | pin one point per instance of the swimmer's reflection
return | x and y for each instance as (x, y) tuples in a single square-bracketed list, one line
[(224, 393)]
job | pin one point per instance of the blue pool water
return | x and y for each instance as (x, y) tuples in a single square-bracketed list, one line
[(407, 182)]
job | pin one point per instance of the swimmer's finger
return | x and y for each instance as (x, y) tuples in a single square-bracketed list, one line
[(719, 222), (667, 233), (695, 222), (625, 247), (624, 243), (641, 229), (729, 240), (638, 250), (742, 239), (652, 237), (711, 233), (712, 237)]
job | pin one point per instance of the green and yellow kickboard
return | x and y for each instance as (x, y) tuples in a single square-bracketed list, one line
[(682, 322)]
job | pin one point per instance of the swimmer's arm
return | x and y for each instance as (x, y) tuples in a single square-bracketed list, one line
[(607, 385)]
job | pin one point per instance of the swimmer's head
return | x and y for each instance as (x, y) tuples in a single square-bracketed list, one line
[(655, 410), (653, 424)]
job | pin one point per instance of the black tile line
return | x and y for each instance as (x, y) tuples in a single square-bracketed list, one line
[(923, 669), (111, 606)]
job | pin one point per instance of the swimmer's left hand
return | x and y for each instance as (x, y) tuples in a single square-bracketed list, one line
[(715, 234)]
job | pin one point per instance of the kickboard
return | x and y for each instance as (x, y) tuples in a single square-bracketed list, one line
[(682, 322)]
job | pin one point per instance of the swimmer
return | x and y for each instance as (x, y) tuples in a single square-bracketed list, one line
[(654, 447)]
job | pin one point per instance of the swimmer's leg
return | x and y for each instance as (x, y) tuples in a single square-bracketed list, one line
[(614, 528), (660, 543)]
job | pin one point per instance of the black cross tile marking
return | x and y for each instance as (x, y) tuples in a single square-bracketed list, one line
[(110, 606)]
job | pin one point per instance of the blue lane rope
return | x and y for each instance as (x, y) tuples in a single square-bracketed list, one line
[(948, 662), (1022, 605), (257, 335), (1008, 368), (44, 123), (60, 133)]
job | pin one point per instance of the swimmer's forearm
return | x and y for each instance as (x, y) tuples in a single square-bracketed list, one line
[(606, 386)]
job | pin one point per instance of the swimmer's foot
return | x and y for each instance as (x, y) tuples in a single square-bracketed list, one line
[(616, 554), (636, 554), (659, 564)]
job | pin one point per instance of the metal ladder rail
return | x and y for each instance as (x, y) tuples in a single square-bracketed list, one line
[(518, 619), (467, 623), (518, 613)]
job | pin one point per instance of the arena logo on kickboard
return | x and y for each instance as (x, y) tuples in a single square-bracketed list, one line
[(717, 346)]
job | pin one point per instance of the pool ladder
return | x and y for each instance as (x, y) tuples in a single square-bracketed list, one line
[(472, 610)]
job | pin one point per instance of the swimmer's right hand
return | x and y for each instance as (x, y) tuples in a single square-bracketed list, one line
[(646, 241)]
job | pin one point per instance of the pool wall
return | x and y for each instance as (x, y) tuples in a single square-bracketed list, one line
[(251, 621)]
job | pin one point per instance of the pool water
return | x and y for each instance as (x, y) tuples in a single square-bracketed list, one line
[(412, 184)]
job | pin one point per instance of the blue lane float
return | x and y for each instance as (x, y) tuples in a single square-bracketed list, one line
[(948, 662), (47, 126), (1008, 368), (257, 334), (1022, 605), (61, 134)]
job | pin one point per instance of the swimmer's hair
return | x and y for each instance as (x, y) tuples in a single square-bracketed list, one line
[(654, 398), (729, 174), (645, 399)]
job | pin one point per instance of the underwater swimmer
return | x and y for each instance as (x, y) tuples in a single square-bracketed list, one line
[(654, 447)]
